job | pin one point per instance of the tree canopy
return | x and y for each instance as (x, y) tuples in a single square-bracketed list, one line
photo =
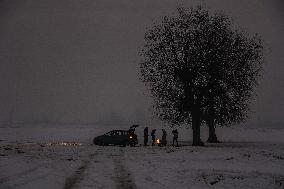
[(199, 68)]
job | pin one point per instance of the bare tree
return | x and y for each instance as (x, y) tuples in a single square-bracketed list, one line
[(200, 69)]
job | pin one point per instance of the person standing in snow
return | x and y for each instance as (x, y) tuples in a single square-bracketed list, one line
[(175, 136), (153, 135), (146, 134), (164, 137)]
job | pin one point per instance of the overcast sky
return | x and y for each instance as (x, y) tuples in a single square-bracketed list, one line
[(76, 61)]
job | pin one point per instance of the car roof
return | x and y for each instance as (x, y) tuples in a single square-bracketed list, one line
[(117, 130)]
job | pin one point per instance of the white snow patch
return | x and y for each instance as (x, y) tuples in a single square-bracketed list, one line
[(63, 157)]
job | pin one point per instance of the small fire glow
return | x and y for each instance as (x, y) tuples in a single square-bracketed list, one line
[(130, 137), (158, 141), (64, 144)]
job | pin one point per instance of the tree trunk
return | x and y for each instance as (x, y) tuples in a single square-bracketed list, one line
[(211, 123), (196, 129), (212, 134)]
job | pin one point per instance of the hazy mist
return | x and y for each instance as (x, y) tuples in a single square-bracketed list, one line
[(77, 61)]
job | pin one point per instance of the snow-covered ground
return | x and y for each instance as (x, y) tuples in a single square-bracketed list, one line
[(63, 157)]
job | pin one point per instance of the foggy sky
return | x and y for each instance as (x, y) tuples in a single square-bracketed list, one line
[(76, 61)]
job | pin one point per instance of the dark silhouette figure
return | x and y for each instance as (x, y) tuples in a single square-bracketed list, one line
[(175, 137), (153, 135), (146, 134), (164, 138), (200, 70)]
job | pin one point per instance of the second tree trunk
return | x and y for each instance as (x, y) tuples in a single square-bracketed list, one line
[(212, 133)]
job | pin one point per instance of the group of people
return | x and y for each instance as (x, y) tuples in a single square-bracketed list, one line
[(163, 142)]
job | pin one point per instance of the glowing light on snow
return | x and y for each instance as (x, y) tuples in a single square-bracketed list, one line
[(64, 144), (158, 141)]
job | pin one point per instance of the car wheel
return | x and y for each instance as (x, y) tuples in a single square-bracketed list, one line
[(100, 143), (132, 144), (95, 141), (125, 143)]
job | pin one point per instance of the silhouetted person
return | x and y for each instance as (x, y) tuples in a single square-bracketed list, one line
[(146, 134), (175, 137), (132, 129), (164, 137), (153, 135)]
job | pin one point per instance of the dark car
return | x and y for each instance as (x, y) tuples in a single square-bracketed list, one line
[(117, 137)]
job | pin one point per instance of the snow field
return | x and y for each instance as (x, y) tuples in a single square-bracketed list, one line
[(65, 158)]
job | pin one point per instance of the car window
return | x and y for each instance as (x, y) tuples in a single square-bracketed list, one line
[(107, 134), (117, 133), (111, 133), (114, 133)]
